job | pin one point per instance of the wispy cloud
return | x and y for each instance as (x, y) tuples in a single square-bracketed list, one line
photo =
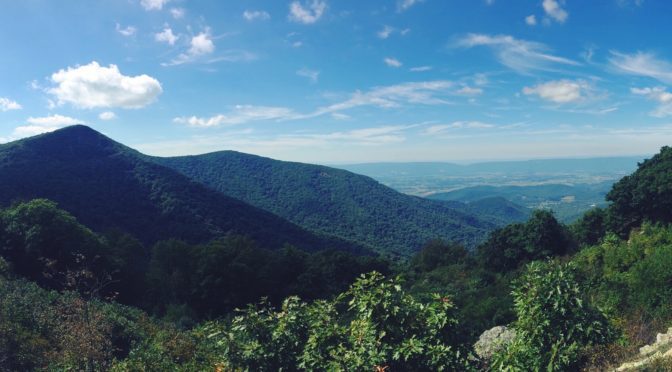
[(312, 75), (425, 93), (420, 68), (642, 64), (240, 114), (659, 95), (125, 31), (177, 13), (559, 91), (392, 62), (385, 32), (256, 15), (403, 5), (520, 55), (7, 104), (442, 128), (307, 13), (469, 91), (107, 115)]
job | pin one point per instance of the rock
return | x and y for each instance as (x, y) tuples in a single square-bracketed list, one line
[(662, 348), (492, 341)]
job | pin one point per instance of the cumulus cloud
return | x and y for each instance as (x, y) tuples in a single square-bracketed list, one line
[(200, 46), (531, 20), (642, 64), (166, 36), (126, 31), (153, 4), (312, 75), (7, 104), (392, 62), (44, 124), (403, 5), (307, 13), (93, 86), (253, 15), (559, 91), (107, 115), (659, 95), (553, 9), (519, 55), (240, 114)]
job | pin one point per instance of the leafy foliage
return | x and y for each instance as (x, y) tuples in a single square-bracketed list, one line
[(555, 323), (375, 324)]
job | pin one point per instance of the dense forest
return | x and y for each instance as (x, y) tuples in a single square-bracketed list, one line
[(78, 292)]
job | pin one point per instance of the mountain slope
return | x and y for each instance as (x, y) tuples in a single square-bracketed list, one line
[(109, 186), (333, 201)]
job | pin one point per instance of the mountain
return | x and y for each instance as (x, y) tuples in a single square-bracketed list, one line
[(622, 165), (568, 202), (335, 201), (106, 185)]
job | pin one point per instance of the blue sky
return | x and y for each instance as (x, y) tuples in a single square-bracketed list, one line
[(344, 81)]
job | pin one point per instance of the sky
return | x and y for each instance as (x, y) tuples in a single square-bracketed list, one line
[(344, 81)]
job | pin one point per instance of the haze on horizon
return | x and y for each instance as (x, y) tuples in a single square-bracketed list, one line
[(335, 82)]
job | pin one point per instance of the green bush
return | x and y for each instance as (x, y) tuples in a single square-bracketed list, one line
[(555, 324)]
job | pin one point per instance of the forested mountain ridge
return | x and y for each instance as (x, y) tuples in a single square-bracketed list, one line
[(109, 186), (338, 202)]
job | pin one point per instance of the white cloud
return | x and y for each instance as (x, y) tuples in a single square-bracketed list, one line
[(559, 91), (312, 75), (553, 9), (424, 93), (177, 13), (126, 31), (309, 13), (107, 115), (252, 15), (240, 114), (531, 20), (519, 55), (420, 68), (403, 5), (469, 91), (93, 85), (385, 32), (153, 4), (7, 104), (642, 64), (392, 62), (657, 94), (441, 128), (44, 124), (166, 36), (200, 45)]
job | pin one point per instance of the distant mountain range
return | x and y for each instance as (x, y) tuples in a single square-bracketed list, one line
[(107, 185), (611, 165)]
